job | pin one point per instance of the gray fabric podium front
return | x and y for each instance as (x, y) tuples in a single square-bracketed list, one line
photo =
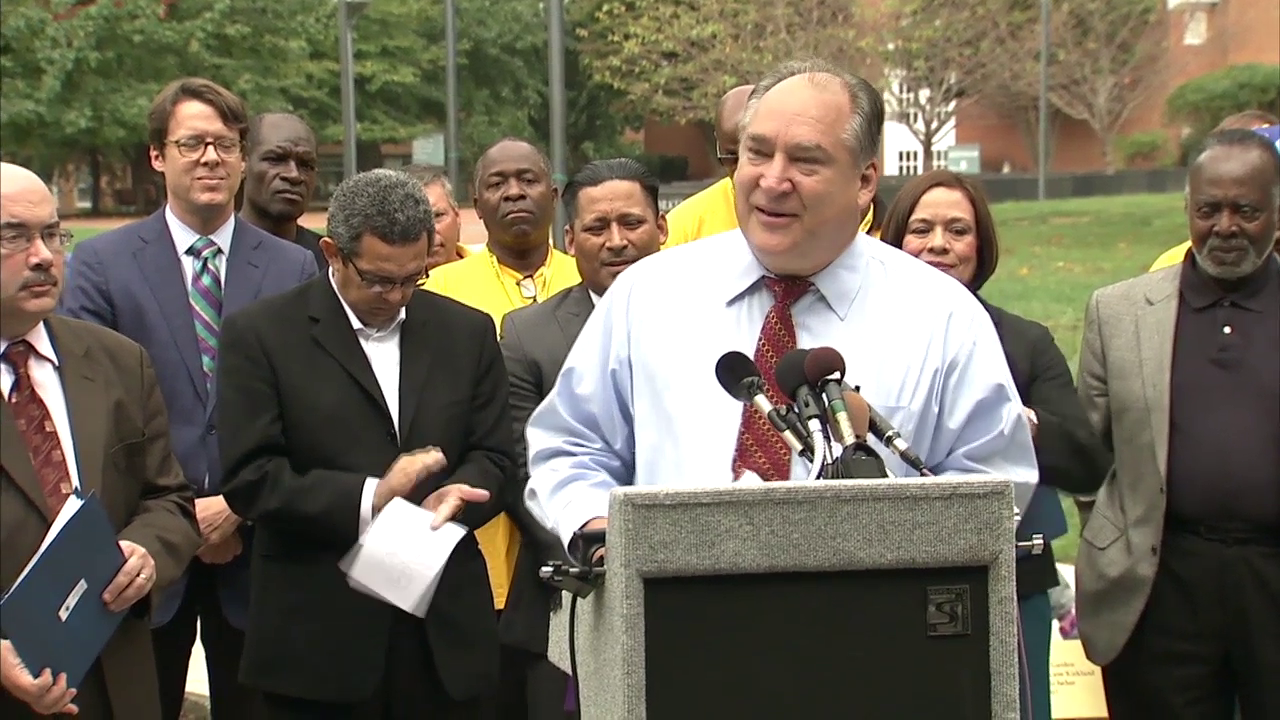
[(792, 527)]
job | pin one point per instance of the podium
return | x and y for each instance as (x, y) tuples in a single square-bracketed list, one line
[(875, 600)]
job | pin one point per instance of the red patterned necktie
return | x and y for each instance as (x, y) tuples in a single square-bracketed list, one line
[(760, 448), (37, 428)]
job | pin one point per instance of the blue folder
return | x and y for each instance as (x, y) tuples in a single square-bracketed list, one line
[(54, 614)]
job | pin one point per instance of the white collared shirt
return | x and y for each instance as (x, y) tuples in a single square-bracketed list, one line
[(382, 347), (921, 346), (184, 237), (595, 299), (43, 370)]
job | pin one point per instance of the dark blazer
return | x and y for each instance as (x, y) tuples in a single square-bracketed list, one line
[(304, 425), (1068, 452), (121, 437), (535, 341), (309, 240), (130, 280)]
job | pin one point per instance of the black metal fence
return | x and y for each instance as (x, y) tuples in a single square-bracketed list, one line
[(1015, 186)]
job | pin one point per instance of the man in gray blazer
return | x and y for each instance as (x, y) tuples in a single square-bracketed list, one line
[(1179, 572), (166, 282), (614, 221)]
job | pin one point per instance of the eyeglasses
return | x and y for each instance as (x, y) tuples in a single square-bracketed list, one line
[(16, 240), (383, 285), (528, 288), (194, 147), (726, 158)]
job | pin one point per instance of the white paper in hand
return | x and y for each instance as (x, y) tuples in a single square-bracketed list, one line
[(400, 559)]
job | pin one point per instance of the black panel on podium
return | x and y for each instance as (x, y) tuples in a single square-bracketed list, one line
[(870, 644), (864, 599)]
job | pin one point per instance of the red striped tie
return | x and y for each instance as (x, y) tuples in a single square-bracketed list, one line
[(760, 448), (37, 428)]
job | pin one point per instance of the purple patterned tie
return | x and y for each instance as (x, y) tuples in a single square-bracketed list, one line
[(206, 300)]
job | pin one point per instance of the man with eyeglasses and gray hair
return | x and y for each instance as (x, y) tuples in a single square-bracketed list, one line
[(445, 213), (167, 282), (337, 398), (82, 413)]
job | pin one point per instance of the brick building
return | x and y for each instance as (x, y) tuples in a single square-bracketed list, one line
[(1204, 36)]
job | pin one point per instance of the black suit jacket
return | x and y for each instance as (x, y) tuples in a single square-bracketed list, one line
[(1068, 452), (310, 240), (535, 341), (304, 425)]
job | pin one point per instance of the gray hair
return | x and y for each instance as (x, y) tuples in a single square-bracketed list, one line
[(429, 175), (387, 204), (863, 133), (1243, 139)]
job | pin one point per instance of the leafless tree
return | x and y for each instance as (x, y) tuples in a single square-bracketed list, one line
[(1108, 56)]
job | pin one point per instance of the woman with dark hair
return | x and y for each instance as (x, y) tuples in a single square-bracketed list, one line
[(943, 219)]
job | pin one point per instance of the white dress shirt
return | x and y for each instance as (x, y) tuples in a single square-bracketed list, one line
[(382, 347), (637, 403), (43, 370), (184, 237)]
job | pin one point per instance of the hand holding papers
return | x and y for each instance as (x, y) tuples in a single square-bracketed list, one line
[(54, 614), (449, 500), (42, 692), (402, 555)]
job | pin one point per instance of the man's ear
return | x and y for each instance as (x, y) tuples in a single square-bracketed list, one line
[(569, 239), (330, 250)]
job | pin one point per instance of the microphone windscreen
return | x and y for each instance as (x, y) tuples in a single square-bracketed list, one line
[(859, 414), (790, 373), (823, 362), (733, 369)]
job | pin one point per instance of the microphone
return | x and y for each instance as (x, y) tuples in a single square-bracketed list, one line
[(794, 384), (882, 430), (740, 377), (824, 368), (859, 417)]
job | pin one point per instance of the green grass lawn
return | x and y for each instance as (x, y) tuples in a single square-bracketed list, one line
[(1053, 255), (80, 232)]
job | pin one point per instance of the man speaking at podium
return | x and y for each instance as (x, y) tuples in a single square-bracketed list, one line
[(637, 402)]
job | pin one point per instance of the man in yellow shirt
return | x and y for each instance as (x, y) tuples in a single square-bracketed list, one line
[(710, 210), (1248, 120), (516, 200)]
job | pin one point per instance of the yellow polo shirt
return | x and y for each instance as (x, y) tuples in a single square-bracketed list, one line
[(711, 211), (1172, 256), (480, 281), (708, 212)]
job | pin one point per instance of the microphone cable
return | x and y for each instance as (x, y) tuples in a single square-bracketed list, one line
[(819, 460), (573, 652)]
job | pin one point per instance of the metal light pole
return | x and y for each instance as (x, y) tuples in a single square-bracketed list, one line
[(555, 64), (1042, 164), (451, 90), (348, 11)]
